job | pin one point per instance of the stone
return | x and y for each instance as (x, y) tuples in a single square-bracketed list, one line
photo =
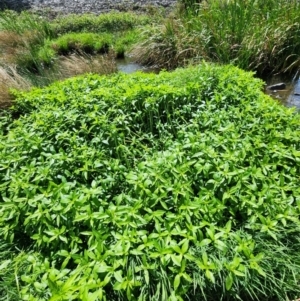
[(294, 98), (279, 86)]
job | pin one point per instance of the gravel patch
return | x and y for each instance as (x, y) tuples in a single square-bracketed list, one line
[(83, 6)]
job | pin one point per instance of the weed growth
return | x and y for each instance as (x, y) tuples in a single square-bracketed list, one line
[(9, 79), (90, 43), (174, 186)]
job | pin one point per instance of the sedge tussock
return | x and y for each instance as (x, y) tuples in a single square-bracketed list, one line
[(75, 64), (10, 79)]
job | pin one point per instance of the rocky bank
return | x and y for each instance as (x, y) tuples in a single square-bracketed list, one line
[(83, 6)]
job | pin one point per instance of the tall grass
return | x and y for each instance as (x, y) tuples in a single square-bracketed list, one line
[(254, 35), (110, 22), (22, 40), (69, 66), (11, 79), (35, 51)]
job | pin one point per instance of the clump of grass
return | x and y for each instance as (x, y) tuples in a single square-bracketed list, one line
[(166, 46), (250, 34), (110, 22), (123, 42), (22, 40), (82, 42), (9, 46), (10, 79), (69, 66), (23, 22)]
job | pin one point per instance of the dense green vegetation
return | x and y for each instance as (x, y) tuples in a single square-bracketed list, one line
[(175, 186), (182, 185), (254, 35), (34, 32), (34, 49)]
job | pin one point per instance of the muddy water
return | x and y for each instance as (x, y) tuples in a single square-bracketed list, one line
[(290, 96)]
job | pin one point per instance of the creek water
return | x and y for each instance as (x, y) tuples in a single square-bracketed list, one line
[(126, 65), (290, 96)]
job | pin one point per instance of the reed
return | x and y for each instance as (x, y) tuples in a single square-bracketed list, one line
[(254, 35)]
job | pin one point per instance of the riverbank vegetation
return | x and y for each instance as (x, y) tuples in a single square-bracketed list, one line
[(181, 185), (174, 186), (36, 51), (254, 35)]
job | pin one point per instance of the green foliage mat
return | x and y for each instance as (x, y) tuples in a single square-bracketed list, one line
[(175, 186)]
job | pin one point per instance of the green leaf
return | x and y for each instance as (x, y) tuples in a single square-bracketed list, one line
[(118, 276), (5, 264), (204, 242), (210, 276), (185, 246), (136, 252), (229, 281), (176, 281), (176, 259)]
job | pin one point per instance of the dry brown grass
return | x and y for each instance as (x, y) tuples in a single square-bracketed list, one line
[(9, 46), (10, 79), (79, 64), (66, 66), (9, 39), (14, 45)]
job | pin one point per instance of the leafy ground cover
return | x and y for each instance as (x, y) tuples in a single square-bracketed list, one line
[(176, 186)]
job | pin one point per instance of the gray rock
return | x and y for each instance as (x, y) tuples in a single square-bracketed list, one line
[(297, 88), (280, 86)]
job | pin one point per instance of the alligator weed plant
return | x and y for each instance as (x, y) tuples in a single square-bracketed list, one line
[(176, 186)]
